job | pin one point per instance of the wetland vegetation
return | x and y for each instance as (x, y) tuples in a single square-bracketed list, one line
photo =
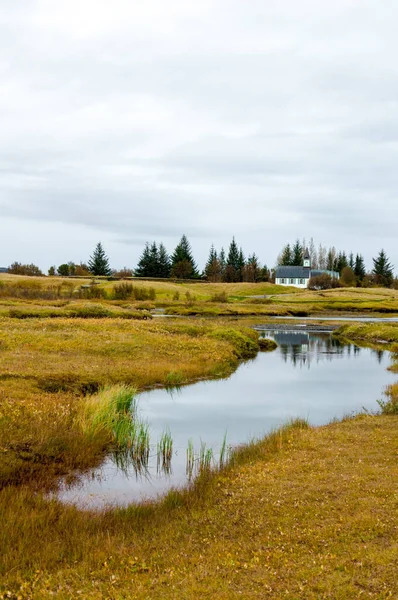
[(305, 512)]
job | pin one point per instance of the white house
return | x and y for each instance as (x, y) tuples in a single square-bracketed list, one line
[(299, 276)]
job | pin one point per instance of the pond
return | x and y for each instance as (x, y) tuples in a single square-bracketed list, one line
[(310, 375)]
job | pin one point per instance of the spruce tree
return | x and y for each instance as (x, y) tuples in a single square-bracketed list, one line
[(223, 263), (213, 267), (359, 268), (382, 269), (99, 262), (164, 267), (183, 265), (286, 257), (297, 253), (233, 263), (153, 261), (144, 264)]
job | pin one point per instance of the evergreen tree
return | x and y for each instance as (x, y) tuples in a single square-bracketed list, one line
[(144, 264), (223, 263), (359, 268), (351, 262), (164, 267), (233, 263), (213, 267), (252, 269), (183, 265), (241, 264), (153, 267), (382, 269), (286, 256), (297, 253), (340, 262), (99, 262)]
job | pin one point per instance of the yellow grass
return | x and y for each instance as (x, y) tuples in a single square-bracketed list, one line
[(305, 513)]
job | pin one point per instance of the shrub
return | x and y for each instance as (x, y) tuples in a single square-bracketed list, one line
[(123, 291), (19, 269), (219, 297), (323, 282)]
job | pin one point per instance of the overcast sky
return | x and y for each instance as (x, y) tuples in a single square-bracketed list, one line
[(130, 121)]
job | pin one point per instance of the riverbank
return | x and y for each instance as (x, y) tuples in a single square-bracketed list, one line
[(310, 514)]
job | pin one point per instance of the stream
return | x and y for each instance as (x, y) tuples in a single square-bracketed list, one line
[(310, 375)]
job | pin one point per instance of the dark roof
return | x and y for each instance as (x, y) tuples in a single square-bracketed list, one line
[(307, 255), (293, 272), (3, 270)]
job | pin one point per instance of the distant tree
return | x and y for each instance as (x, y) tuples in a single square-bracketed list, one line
[(164, 266), (52, 270), (331, 258), (241, 264), (252, 270), (313, 254), (382, 269), (153, 267), (63, 270), (20, 269), (232, 268), (82, 270), (144, 264), (347, 277), (223, 263), (286, 257), (359, 267), (351, 262), (322, 257), (340, 262), (213, 266), (181, 259), (297, 253), (99, 262)]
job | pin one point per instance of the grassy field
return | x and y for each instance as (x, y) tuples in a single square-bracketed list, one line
[(304, 513), (27, 297)]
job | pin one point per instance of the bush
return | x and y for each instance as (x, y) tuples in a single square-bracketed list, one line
[(123, 291), (19, 269), (219, 297), (323, 282)]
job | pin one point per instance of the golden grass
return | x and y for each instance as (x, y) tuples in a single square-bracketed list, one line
[(305, 513)]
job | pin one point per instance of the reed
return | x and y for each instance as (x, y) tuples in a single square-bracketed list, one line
[(165, 452), (190, 460)]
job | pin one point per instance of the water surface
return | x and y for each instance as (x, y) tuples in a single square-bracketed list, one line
[(310, 375)]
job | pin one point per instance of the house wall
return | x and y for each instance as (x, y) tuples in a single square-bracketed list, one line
[(287, 280)]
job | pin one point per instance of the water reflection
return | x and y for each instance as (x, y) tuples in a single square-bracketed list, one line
[(302, 348), (310, 375)]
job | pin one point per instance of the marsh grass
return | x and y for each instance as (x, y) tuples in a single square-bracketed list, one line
[(165, 453)]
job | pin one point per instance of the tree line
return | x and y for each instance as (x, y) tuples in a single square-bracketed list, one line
[(221, 266)]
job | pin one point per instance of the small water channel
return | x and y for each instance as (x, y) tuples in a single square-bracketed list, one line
[(310, 375)]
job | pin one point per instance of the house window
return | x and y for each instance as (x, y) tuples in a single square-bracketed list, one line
[(302, 281), (282, 281), (292, 281)]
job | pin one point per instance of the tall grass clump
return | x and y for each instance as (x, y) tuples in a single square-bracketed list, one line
[(110, 414)]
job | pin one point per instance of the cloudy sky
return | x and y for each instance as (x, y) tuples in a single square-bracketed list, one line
[(129, 121)]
